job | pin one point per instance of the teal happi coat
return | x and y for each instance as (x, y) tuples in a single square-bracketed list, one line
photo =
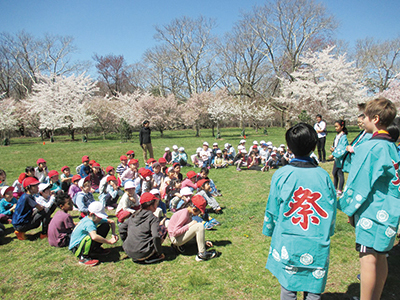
[(362, 137), (340, 150), (300, 216), (372, 194)]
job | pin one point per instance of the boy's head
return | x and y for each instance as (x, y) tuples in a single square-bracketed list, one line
[(66, 170), (31, 185), (2, 175), (215, 145), (44, 190), (379, 114), (123, 159), (148, 201), (167, 149), (203, 184), (301, 139), (130, 154), (21, 177), (204, 172), (177, 167), (6, 192), (110, 170), (181, 149), (85, 160), (146, 123), (53, 175), (146, 174), (75, 179), (156, 168), (205, 146), (151, 161), (84, 184), (133, 163), (191, 175), (175, 148), (162, 161), (97, 211), (64, 202), (199, 203), (96, 167), (41, 163), (129, 187), (30, 171), (112, 180)]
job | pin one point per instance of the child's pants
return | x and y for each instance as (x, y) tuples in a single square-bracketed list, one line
[(289, 295), (87, 244), (38, 217), (197, 231), (338, 177)]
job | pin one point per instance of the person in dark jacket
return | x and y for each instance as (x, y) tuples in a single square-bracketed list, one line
[(145, 140), (143, 240)]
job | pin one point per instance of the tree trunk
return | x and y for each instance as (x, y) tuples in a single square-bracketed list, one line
[(104, 135), (73, 134), (197, 130), (212, 129), (161, 132)]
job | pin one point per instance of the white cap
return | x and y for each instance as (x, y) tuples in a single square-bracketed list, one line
[(219, 151), (155, 191), (282, 146), (215, 144), (270, 147), (97, 208), (205, 144), (274, 148), (181, 149), (226, 145), (279, 149), (242, 141), (129, 185), (255, 143), (199, 150), (166, 149), (170, 169), (262, 142), (175, 147), (186, 191), (43, 186), (81, 182), (4, 189), (269, 143)]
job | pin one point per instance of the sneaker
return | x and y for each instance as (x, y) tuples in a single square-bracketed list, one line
[(178, 249), (206, 255), (43, 236), (87, 261), (238, 169), (20, 235)]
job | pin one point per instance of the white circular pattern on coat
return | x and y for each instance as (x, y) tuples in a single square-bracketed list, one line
[(270, 250), (284, 253), (319, 273), (357, 205), (269, 226), (390, 232), (350, 192), (291, 270), (359, 197), (365, 223), (275, 255), (382, 215), (306, 259), (266, 219)]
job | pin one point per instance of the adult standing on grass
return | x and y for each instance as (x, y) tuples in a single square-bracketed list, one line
[(320, 128), (145, 140)]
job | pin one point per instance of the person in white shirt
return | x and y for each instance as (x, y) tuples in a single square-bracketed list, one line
[(320, 128)]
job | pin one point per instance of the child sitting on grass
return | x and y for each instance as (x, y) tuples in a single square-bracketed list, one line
[(110, 198), (66, 178), (54, 181), (110, 171), (41, 170), (17, 185), (24, 218), (131, 173), (182, 229), (122, 166), (204, 175), (7, 204), (74, 188), (46, 197), (128, 204), (205, 191), (90, 234), (371, 197), (300, 217), (61, 225), (219, 161), (190, 180), (143, 242), (83, 198)]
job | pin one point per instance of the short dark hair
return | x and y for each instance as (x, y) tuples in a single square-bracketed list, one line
[(61, 198), (2, 172), (148, 204), (301, 139), (383, 108), (319, 116), (205, 170)]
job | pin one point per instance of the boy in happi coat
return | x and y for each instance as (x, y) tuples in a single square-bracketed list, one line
[(371, 197), (300, 217)]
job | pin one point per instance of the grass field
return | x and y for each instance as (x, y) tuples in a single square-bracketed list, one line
[(33, 270)]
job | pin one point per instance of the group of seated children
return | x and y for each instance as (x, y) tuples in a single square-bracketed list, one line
[(260, 157), (140, 205)]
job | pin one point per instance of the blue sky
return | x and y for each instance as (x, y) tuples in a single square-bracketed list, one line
[(127, 27)]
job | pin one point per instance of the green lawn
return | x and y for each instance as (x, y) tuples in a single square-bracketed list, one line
[(33, 270)]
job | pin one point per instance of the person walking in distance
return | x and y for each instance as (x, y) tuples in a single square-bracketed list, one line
[(320, 128)]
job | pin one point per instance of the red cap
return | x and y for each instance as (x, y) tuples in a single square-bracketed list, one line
[(85, 158), (123, 157), (133, 161), (53, 173), (30, 181), (201, 182), (145, 172), (21, 177), (130, 152), (40, 161), (109, 168), (162, 160), (150, 160), (199, 202), (190, 174), (147, 197), (91, 162), (95, 164), (76, 177), (111, 178), (176, 164), (63, 168)]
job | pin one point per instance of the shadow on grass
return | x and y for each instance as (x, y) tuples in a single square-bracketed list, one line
[(352, 290), (112, 257)]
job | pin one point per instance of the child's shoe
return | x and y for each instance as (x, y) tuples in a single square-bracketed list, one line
[(238, 169), (206, 255), (43, 236), (20, 235), (87, 261)]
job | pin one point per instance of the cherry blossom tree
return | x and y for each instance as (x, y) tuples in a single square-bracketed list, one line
[(61, 102), (8, 120), (220, 108), (393, 91), (325, 84), (195, 110)]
